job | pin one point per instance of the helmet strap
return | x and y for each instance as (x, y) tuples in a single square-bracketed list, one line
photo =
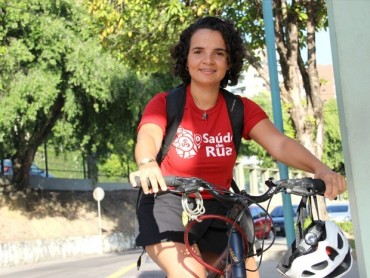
[(303, 214)]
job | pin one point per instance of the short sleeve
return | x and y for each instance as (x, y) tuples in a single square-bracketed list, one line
[(253, 114), (155, 112)]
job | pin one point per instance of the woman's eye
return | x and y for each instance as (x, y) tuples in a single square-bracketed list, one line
[(220, 53)]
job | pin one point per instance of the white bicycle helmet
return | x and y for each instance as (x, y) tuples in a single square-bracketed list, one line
[(323, 252)]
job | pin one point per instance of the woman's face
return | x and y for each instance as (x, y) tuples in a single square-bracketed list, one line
[(207, 57)]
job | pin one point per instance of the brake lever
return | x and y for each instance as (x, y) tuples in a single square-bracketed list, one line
[(300, 190), (186, 186), (299, 187)]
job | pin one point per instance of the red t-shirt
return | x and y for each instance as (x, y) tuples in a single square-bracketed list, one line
[(202, 148)]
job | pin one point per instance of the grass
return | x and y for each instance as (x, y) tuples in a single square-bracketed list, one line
[(347, 228), (71, 165), (65, 165)]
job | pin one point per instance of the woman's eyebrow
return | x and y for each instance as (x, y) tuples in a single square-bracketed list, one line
[(221, 49), (197, 48), (216, 49)]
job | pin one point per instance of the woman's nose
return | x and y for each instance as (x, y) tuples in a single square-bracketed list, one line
[(208, 58)]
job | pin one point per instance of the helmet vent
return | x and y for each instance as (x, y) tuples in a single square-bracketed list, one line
[(344, 266), (307, 273), (331, 253), (340, 241), (320, 266)]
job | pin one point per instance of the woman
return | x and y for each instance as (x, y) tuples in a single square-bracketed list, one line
[(209, 55)]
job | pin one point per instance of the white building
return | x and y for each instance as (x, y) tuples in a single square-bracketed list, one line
[(249, 85)]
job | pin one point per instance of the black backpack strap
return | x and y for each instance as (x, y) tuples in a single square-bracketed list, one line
[(235, 108), (175, 104)]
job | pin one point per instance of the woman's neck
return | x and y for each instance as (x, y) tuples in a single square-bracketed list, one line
[(204, 97)]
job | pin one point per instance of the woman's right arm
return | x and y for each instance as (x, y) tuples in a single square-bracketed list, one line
[(149, 141)]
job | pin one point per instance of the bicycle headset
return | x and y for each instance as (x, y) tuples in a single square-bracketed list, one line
[(324, 251)]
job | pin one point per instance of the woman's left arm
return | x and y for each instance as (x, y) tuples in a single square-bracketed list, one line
[(292, 153)]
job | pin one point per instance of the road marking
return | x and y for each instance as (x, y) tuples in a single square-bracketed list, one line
[(122, 271)]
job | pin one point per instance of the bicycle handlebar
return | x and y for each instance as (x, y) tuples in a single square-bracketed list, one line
[(193, 185), (300, 187)]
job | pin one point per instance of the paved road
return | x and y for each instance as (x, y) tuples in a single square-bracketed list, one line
[(124, 265)]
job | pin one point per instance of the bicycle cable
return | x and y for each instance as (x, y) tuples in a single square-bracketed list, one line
[(197, 210)]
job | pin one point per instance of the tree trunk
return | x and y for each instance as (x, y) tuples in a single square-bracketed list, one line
[(21, 169), (27, 145), (92, 169), (300, 89)]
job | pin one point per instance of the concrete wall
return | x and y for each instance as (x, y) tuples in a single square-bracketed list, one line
[(349, 25), (33, 251), (74, 184)]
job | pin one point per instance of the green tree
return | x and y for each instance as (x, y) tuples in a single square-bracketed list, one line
[(118, 130), (333, 152), (144, 30), (296, 23), (56, 81)]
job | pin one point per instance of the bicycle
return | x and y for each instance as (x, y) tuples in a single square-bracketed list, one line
[(232, 261)]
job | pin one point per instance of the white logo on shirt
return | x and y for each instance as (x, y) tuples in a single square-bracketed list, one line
[(187, 144)]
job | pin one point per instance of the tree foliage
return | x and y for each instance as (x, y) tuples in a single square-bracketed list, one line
[(333, 152), (143, 30), (295, 24), (78, 73), (58, 82)]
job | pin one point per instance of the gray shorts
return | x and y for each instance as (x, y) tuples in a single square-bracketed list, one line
[(160, 220)]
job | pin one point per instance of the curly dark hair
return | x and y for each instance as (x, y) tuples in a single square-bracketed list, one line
[(234, 46)]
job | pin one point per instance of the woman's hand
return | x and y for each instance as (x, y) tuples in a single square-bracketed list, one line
[(150, 177), (335, 183), (149, 142)]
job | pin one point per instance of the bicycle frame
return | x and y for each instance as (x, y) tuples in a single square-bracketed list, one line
[(232, 261), (234, 253), (235, 250)]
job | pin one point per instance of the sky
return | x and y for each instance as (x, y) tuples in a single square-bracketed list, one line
[(323, 48)]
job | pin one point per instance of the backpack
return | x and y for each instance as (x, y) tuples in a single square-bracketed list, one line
[(175, 103)]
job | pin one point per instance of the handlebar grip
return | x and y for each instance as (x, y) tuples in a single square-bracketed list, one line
[(169, 180), (319, 186)]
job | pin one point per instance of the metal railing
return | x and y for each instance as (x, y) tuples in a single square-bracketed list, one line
[(252, 178)]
